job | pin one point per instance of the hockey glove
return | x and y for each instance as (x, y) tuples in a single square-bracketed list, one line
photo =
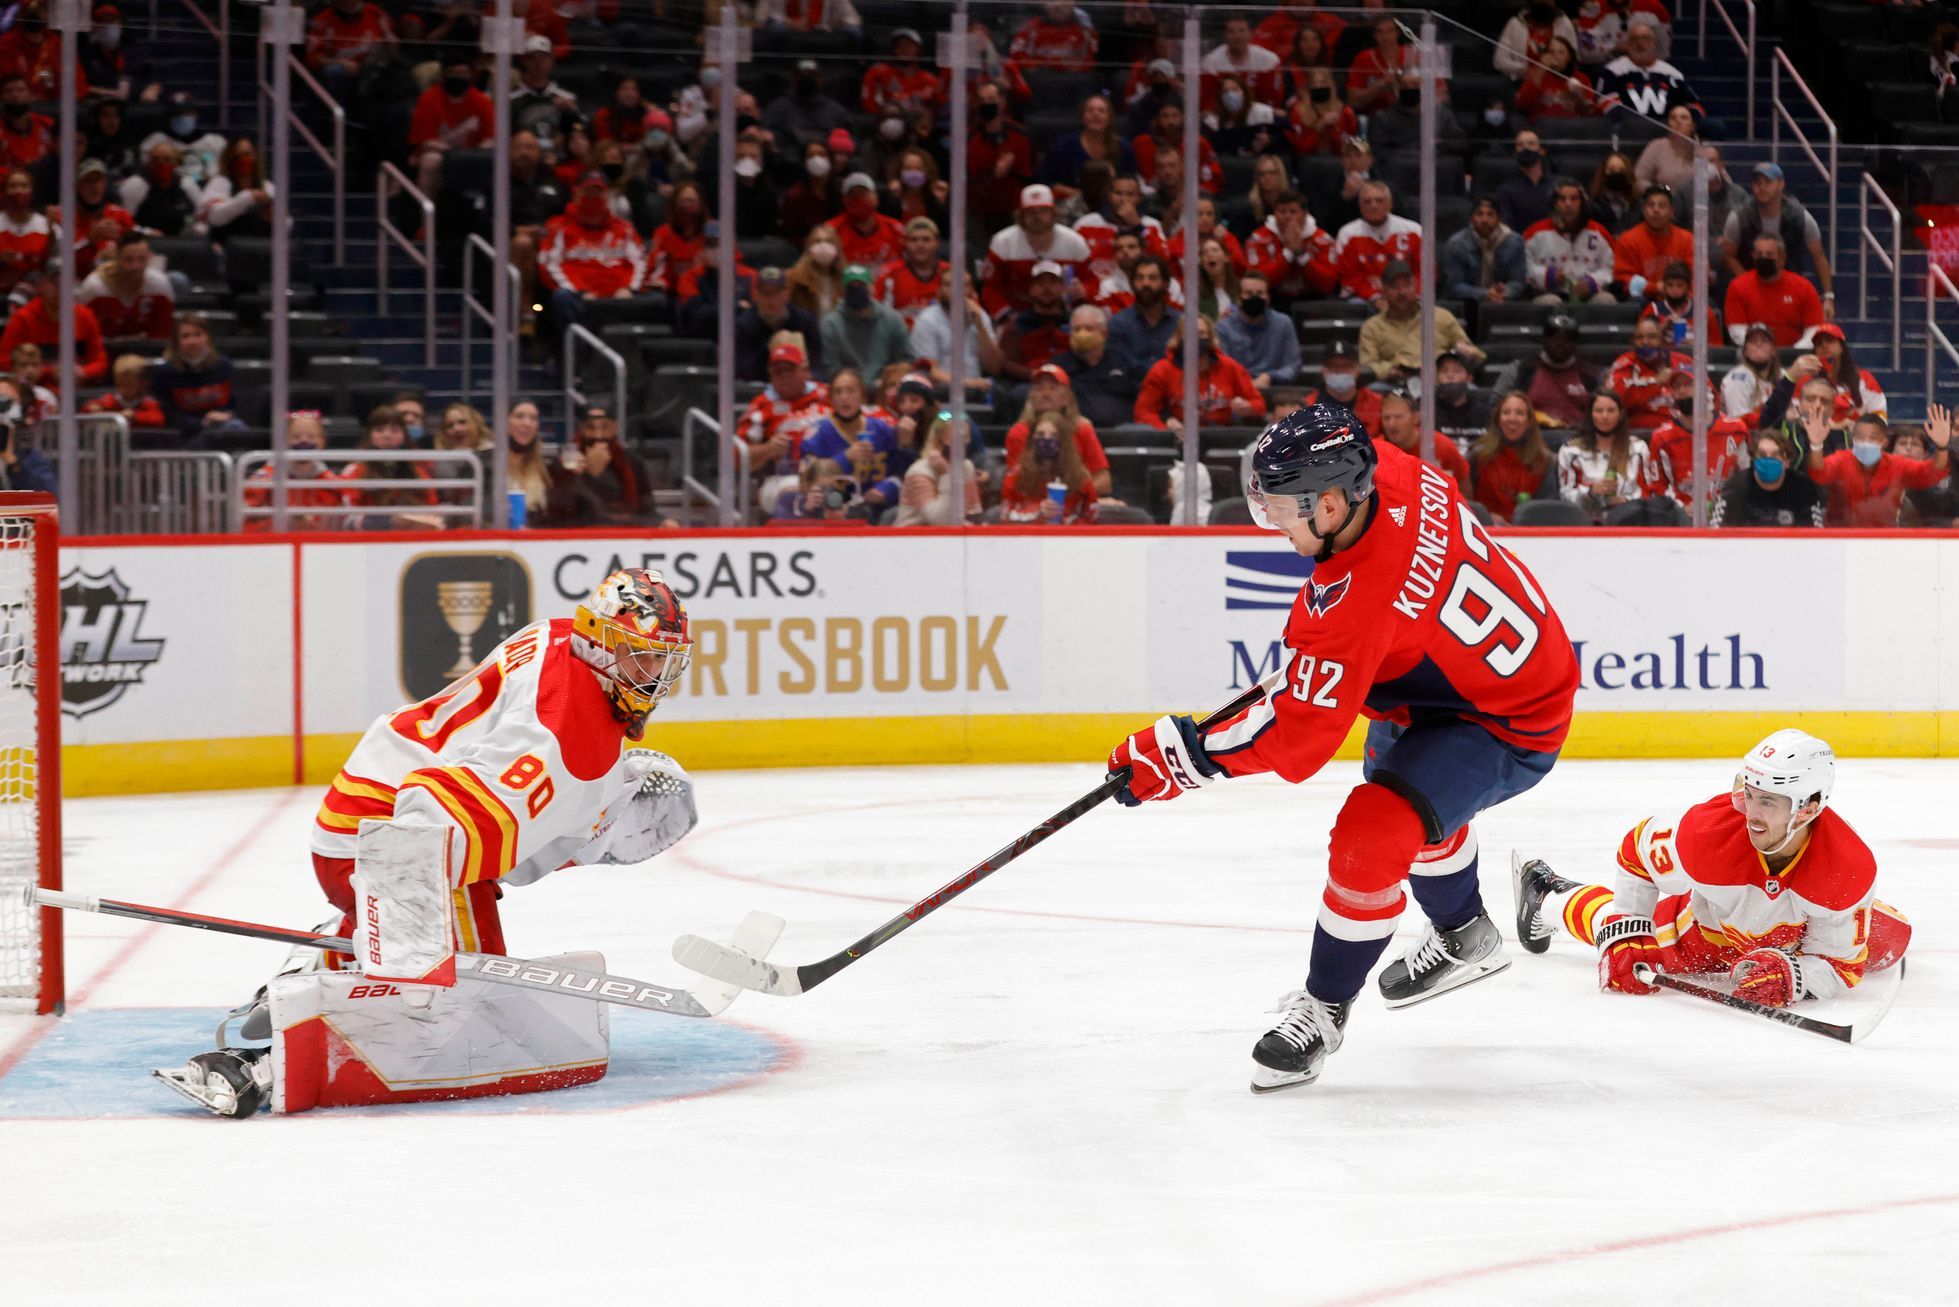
[(1767, 976), (1162, 762), (1626, 943)]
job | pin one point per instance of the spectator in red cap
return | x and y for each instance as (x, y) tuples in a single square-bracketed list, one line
[(1033, 336), (1857, 390), (1058, 38), (1036, 237), (452, 114), (773, 426), (1225, 393), (1769, 293), (806, 113), (843, 150), (110, 67), (343, 38), (869, 237), (900, 82), (677, 243), (999, 157), (1051, 394), (589, 252)]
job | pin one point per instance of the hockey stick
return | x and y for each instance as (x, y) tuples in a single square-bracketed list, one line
[(721, 963), (1850, 1033), (758, 929)]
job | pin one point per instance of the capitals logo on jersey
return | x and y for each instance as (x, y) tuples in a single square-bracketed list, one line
[(1320, 599)]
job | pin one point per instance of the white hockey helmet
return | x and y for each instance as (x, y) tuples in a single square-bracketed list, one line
[(1790, 762)]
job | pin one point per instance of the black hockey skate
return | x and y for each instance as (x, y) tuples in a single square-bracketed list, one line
[(1443, 960), (1292, 1052), (1530, 884), (229, 1082)]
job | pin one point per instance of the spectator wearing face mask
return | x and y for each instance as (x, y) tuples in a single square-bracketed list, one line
[(1225, 393), (1772, 209), (112, 66), (1391, 340), (1051, 397), (1484, 262), (806, 114), (1461, 413), (677, 243), (1524, 199), (1770, 294), (311, 484), (1264, 341), (1318, 122), (1611, 200), (450, 115), (1674, 308), (861, 333), (1527, 36), (1340, 382), (589, 252), (1105, 390), (1643, 376), (1746, 387), (1557, 382), (1865, 484), (1240, 125), (1048, 481), (1766, 492), (1568, 257), (757, 204), (867, 236), (999, 159), (163, 198), (1672, 467), (813, 197)]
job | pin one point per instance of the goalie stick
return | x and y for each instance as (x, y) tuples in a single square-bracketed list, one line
[(1849, 1033), (758, 932), (721, 963)]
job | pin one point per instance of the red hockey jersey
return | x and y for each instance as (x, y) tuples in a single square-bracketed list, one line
[(1305, 273), (906, 291), (596, 261), (1424, 617), (149, 313), (1363, 250)]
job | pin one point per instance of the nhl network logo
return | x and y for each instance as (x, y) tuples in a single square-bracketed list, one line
[(103, 651)]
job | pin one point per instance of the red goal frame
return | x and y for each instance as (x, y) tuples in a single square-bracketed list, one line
[(41, 512)]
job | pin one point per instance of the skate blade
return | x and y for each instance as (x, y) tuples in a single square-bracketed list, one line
[(181, 1082), (1267, 1081), (1464, 978)]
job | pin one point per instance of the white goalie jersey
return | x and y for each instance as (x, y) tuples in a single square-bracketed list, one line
[(524, 759)]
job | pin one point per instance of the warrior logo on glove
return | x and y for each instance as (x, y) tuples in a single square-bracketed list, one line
[(637, 638)]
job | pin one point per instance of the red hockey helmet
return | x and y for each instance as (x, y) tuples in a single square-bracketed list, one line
[(640, 641)]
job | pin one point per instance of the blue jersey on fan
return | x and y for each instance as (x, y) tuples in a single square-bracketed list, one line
[(880, 472)]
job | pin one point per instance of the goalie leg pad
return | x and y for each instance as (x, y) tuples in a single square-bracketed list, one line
[(404, 911), (343, 1039)]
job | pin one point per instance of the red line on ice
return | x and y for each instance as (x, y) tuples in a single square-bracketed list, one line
[(1451, 1279), (11, 1058)]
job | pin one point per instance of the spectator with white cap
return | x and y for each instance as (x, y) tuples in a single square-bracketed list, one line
[(1033, 336), (1035, 237), (1774, 210), (862, 333), (1746, 387), (539, 105), (868, 236)]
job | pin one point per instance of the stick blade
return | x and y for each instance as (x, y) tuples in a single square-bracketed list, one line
[(751, 943), (733, 967)]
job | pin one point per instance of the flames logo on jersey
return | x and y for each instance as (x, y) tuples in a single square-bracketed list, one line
[(1320, 599)]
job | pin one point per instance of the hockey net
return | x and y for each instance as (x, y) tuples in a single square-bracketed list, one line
[(30, 752)]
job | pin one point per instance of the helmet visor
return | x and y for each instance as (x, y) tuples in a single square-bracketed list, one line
[(1270, 511)]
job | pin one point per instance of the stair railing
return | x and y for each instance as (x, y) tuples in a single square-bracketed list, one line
[(688, 482), (334, 159), (387, 182), (1746, 40), (220, 30), (475, 309), (1893, 261), (574, 395), (1937, 284), (1780, 114), (456, 477)]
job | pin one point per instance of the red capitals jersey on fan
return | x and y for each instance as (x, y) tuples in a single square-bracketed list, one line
[(24, 246), (1363, 250), (906, 291), (1425, 617), (1065, 47), (522, 758), (1672, 464), (149, 313), (910, 89), (596, 261), (769, 415), (1303, 273), (1818, 906), (1646, 388), (884, 242), (28, 146), (330, 37), (1102, 281)]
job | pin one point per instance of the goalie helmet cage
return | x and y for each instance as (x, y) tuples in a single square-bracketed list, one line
[(30, 751)]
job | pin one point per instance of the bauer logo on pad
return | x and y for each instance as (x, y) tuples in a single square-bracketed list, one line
[(455, 608)]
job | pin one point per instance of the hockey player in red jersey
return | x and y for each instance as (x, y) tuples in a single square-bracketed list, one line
[(1765, 882), (529, 763), (1416, 619)]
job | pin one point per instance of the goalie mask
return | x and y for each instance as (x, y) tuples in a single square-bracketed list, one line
[(1795, 765), (636, 638)]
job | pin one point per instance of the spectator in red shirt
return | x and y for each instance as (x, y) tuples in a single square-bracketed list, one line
[(1365, 246), (1376, 79), (677, 242), (1035, 237), (131, 396), (899, 82), (1401, 426), (1225, 393), (1511, 464), (39, 321), (1866, 485), (1048, 482), (1057, 38), (1052, 395), (1166, 134), (1294, 252), (30, 51), (1674, 307), (999, 157), (310, 483), (1642, 253), (26, 137), (128, 296), (589, 253), (770, 432), (911, 281), (341, 39), (99, 223), (1030, 338), (1318, 122), (1643, 376), (451, 115), (1769, 293), (868, 237)]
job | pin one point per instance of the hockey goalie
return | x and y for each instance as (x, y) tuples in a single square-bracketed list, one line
[(1766, 883), (528, 764)]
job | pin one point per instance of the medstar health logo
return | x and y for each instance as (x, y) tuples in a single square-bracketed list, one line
[(103, 649)]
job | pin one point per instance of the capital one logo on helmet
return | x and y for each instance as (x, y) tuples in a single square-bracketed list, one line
[(1341, 437), (103, 650)]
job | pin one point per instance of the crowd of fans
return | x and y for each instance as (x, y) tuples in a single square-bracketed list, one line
[(1565, 319)]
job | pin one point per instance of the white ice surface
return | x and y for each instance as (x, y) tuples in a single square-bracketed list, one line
[(1039, 1094)]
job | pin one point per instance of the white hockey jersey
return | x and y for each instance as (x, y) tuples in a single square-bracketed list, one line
[(1818, 907), (522, 758)]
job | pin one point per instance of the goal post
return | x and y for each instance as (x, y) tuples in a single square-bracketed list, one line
[(30, 751)]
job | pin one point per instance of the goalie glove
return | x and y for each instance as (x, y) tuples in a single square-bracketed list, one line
[(1625, 944), (657, 813), (1162, 762), (1767, 976)]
